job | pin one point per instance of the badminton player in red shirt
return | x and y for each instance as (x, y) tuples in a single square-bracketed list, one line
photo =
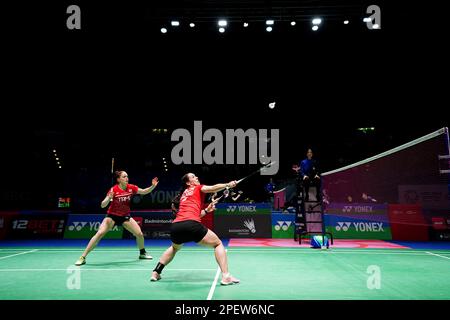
[(187, 226), (118, 214)]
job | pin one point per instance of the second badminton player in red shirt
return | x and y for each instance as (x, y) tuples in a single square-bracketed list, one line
[(187, 226), (118, 214)]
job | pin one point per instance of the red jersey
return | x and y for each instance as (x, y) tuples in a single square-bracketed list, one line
[(120, 206), (191, 204)]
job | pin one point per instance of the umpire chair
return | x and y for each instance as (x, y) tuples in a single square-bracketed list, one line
[(309, 216)]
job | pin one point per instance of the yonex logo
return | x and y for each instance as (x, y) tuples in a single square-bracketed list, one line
[(250, 225), (243, 208), (77, 225), (343, 226), (361, 226), (283, 225), (359, 209)]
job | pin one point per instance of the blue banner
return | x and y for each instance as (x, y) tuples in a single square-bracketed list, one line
[(357, 227)]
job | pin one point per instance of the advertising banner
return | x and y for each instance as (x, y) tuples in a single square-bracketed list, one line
[(358, 221), (36, 226), (373, 226), (242, 209), (243, 226), (84, 226), (356, 208), (154, 224), (5, 223), (283, 225), (428, 196), (408, 223)]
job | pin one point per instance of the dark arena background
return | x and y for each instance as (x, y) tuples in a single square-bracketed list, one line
[(91, 87)]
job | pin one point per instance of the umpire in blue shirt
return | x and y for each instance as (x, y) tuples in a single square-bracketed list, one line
[(309, 174)]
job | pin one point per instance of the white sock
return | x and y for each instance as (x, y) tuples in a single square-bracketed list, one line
[(226, 275)]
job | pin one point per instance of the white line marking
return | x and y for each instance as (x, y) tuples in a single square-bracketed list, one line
[(241, 249), (274, 250), (18, 254), (438, 255), (96, 269), (279, 252), (213, 286)]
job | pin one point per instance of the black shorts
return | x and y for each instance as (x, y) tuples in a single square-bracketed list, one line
[(187, 231), (119, 220)]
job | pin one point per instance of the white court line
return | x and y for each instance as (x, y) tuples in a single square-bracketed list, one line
[(199, 248), (234, 249), (438, 255), (331, 249), (274, 250), (382, 253), (213, 286), (96, 269), (18, 254), (81, 249), (321, 252), (337, 252)]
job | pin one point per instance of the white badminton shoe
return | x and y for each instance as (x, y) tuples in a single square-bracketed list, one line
[(228, 279), (81, 261), (145, 256), (155, 276)]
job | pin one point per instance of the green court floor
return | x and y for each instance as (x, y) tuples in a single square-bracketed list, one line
[(266, 273)]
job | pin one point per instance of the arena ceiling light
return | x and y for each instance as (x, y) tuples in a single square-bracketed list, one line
[(222, 23), (175, 23), (269, 22), (316, 21)]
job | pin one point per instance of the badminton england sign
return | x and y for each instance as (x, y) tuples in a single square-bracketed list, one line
[(259, 146)]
